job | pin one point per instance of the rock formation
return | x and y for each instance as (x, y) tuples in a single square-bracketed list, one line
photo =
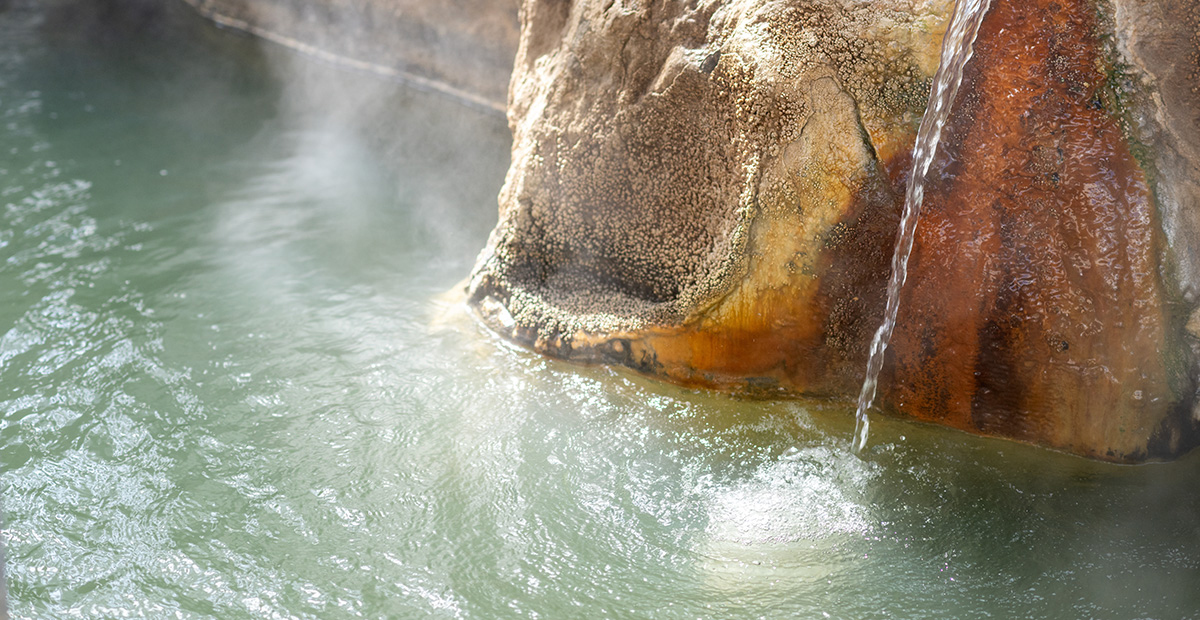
[(707, 192), (687, 176), (1039, 306)]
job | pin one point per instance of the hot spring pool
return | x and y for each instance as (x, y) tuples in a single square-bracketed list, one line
[(229, 388)]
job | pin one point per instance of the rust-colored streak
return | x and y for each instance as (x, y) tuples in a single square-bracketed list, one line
[(1034, 308), (807, 335), (773, 345)]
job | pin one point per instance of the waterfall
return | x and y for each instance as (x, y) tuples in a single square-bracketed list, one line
[(957, 47)]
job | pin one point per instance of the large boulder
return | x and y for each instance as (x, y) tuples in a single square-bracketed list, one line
[(708, 192), (687, 176)]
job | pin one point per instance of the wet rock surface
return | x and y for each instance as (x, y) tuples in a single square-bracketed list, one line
[(685, 174), (1159, 44), (708, 193), (1038, 306)]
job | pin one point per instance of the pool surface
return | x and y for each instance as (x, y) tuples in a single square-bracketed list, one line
[(233, 385)]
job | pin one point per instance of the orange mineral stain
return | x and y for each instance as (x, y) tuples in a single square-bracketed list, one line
[(1034, 308)]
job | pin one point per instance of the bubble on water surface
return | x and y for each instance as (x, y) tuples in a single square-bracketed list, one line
[(808, 496)]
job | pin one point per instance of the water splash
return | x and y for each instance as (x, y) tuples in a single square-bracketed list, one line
[(957, 49)]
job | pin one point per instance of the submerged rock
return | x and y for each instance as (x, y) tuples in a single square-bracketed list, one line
[(708, 192)]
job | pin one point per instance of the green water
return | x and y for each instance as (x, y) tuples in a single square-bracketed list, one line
[(229, 388)]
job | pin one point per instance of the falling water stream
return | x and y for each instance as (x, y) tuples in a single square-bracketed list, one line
[(957, 48), (228, 391)]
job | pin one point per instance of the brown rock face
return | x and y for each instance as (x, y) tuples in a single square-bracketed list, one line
[(707, 192), (1037, 307)]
